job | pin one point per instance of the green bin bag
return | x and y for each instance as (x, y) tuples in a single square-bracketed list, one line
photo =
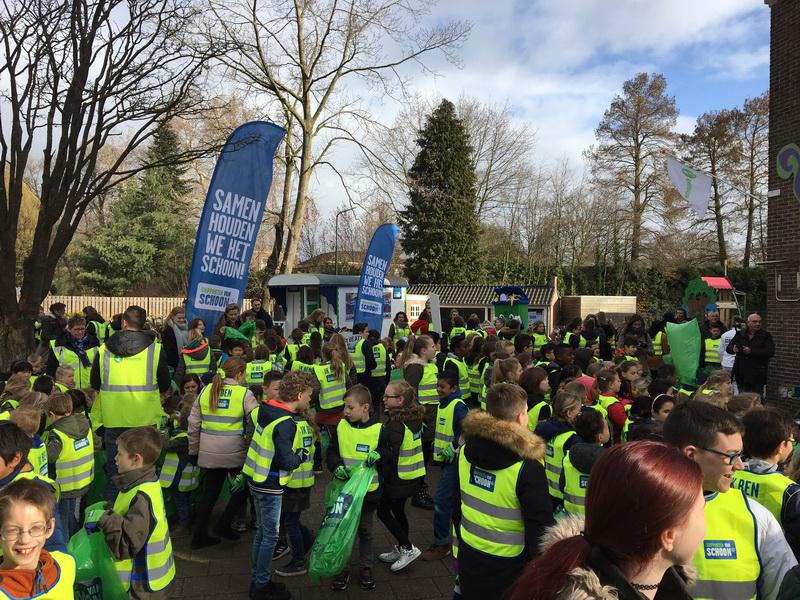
[(334, 543), (685, 343), (95, 577)]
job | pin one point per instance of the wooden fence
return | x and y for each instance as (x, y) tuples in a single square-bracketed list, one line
[(108, 306)]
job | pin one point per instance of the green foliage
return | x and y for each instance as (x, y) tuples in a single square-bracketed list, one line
[(440, 223), (149, 235)]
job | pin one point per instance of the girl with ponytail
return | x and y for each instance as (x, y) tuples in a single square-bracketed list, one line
[(598, 558)]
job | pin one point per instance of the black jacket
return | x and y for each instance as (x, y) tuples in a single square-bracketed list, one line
[(262, 315), (52, 327), (752, 367), (68, 341), (552, 427), (128, 343), (492, 444), (282, 438), (169, 346)]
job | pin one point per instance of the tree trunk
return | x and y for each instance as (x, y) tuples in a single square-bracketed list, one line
[(301, 199), (722, 252), (751, 211)]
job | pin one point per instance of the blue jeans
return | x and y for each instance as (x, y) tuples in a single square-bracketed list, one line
[(182, 502), (110, 436), (268, 515), (299, 537), (67, 510), (443, 505)]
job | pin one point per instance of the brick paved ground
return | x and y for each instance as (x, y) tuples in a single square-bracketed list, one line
[(223, 571)]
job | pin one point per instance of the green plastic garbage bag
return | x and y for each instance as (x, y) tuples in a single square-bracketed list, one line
[(95, 577), (685, 343), (334, 542)]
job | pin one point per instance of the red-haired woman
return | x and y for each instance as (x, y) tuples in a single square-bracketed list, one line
[(664, 524)]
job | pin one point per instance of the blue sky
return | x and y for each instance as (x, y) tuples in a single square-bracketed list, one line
[(559, 63)]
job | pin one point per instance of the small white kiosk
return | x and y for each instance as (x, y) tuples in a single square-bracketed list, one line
[(299, 294)]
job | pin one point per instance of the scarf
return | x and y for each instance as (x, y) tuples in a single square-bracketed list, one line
[(181, 333), (79, 347)]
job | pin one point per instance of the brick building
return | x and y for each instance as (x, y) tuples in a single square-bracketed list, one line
[(783, 226)]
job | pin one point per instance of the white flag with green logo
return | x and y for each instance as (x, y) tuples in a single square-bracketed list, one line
[(693, 185)]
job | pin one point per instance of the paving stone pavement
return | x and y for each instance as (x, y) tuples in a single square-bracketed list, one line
[(223, 571)]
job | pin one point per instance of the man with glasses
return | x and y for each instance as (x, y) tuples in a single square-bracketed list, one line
[(744, 553), (753, 348)]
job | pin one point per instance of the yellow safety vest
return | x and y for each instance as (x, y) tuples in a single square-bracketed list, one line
[(767, 488), (159, 565), (727, 561), (255, 370), (356, 351), (129, 393), (606, 401), (533, 414), (34, 476), (355, 443), (658, 349), (410, 461), (62, 588), (539, 340), (190, 474), (575, 484), (75, 462), (484, 387), (302, 367), (625, 428), (712, 351), (463, 375), (400, 333), (491, 517), (426, 389), (331, 390), (457, 331), (554, 462), (568, 337), (379, 352), (9, 404), (475, 381), (291, 351), (445, 427), (303, 476), (197, 366), (261, 453), (229, 417), (38, 459), (68, 358)]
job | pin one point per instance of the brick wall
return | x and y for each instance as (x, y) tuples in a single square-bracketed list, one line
[(783, 228)]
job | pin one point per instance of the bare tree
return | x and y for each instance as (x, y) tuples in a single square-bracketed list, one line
[(76, 75), (627, 158), (304, 52)]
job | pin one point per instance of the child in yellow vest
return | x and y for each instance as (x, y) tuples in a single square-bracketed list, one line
[(29, 419), (135, 529), (27, 522)]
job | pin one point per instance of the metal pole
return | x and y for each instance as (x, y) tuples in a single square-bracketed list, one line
[(336, 236)]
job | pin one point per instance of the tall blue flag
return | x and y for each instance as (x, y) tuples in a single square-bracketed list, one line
[(231, 218), (369, 302)]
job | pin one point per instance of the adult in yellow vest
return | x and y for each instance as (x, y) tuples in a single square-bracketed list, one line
[(769, 442), (73, 348), (404, 468), (502, 506), (218, 444), (400, 327), (744, 553), (130, 373)]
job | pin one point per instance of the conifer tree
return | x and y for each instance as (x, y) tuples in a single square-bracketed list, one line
[(440, 224)]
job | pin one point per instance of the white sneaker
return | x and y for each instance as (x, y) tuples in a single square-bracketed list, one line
[(390, 557), (406, 558)]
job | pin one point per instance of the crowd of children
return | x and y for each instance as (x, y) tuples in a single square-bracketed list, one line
[(511, 423)]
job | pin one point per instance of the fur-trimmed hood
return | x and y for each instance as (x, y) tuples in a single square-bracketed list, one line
[(514, 438), (584, 583), (414, 360)]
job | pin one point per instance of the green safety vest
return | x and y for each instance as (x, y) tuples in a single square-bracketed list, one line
[(491, 517), (410, 461), (75, 462), (355, 443), (197, 366), (229, 417), (255, 370), (62, 587), (463, 375), (303, 476), (445, 427), (331, 390), (129, 394), (68, 358), (261, 453), (38, 459), (426, 389), (727, 562), (539, 340), (658, 349), (767, 488), (712, 351), (400, 333), (158, 561), (533, 414), (357, 354), (554, 462), (190, 474), (575, 484), (379, 352)]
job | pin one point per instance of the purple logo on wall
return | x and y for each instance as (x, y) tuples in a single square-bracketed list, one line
[(789, 166)]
